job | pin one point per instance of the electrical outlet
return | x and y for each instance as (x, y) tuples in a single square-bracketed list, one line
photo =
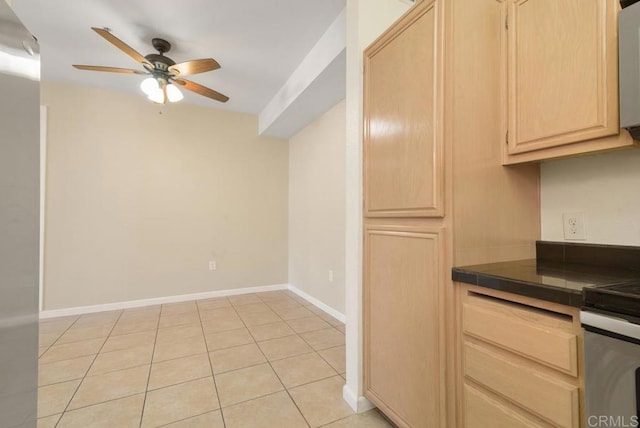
[(573, 225), (213, 265)]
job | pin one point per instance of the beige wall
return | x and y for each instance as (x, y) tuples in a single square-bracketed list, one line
[(138, 202), (316, 208), (605, 187)]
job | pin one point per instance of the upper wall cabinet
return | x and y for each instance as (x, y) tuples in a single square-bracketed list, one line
[(403, 153), (562, 78)]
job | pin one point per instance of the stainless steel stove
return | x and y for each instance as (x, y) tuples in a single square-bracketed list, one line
[(611, 319)]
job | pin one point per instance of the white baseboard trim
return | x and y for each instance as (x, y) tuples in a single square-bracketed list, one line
[(358, 404), (79, 310), (317, 303)]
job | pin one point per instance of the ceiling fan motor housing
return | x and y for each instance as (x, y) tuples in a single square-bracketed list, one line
[(160, 61)]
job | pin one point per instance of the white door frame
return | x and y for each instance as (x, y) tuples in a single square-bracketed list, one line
[(43, 192)]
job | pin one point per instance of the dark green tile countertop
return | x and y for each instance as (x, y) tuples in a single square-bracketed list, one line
[(560, 272)]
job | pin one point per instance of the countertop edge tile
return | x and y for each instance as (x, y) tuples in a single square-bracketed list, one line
[(554, 276)]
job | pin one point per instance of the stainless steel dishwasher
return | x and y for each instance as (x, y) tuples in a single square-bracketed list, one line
[(611, 319)]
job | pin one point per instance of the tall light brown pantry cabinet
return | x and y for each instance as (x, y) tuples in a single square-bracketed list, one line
[(403, 167), (435, 195)]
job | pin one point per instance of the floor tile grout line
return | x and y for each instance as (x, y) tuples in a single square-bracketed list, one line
[(263, 362), (125, 348), (95, 404), (281, 382), (213, 376), (177, 358), (182, 382), (61, 334), (80, 340), (73, 358), (64, 359), (89, 368), (327, 361), (146, 389), (190, 417), (133, 332), (94, 375), (313, 381), (337, 420), (257, 398), (318, 350), (118, 370)]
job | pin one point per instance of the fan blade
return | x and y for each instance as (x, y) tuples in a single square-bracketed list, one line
[(202, 90), (121, 45), (109, 69), (194, 67)]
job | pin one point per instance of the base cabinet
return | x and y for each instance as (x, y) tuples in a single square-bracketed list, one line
[(521, 361)]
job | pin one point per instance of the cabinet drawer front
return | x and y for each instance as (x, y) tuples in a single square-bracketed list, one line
[(483, 412), (554, 348), (549, 398)]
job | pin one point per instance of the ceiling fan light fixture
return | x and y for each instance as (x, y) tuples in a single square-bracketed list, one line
[(150, 85), (173, 93), (157, 97), (160, 91)]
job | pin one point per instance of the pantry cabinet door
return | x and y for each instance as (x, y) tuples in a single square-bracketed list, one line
[(562, 72), (403, 323), (403, 150)]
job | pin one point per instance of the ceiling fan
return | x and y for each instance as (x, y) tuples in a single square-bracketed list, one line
[(165, 76)]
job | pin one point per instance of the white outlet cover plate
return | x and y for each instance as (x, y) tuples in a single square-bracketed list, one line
[(573, 226)]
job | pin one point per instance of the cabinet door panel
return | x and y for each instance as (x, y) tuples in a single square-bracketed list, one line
[(562, 72), (404, 375), (402, 119)]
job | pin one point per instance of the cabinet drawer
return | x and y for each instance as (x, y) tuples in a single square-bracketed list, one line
[(526, 331), (547, 397), (481, 411)]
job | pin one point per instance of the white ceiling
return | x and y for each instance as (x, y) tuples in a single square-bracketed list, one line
[(259, 43)]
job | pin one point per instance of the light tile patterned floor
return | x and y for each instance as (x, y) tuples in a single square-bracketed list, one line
[(256, 360)]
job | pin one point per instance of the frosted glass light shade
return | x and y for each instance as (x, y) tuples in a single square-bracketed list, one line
[(173, 93), (153, 88), (157, 96), (149, 85)]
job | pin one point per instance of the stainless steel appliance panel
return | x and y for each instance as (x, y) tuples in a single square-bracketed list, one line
[(629, 66), (612, 368), (19, 223)]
